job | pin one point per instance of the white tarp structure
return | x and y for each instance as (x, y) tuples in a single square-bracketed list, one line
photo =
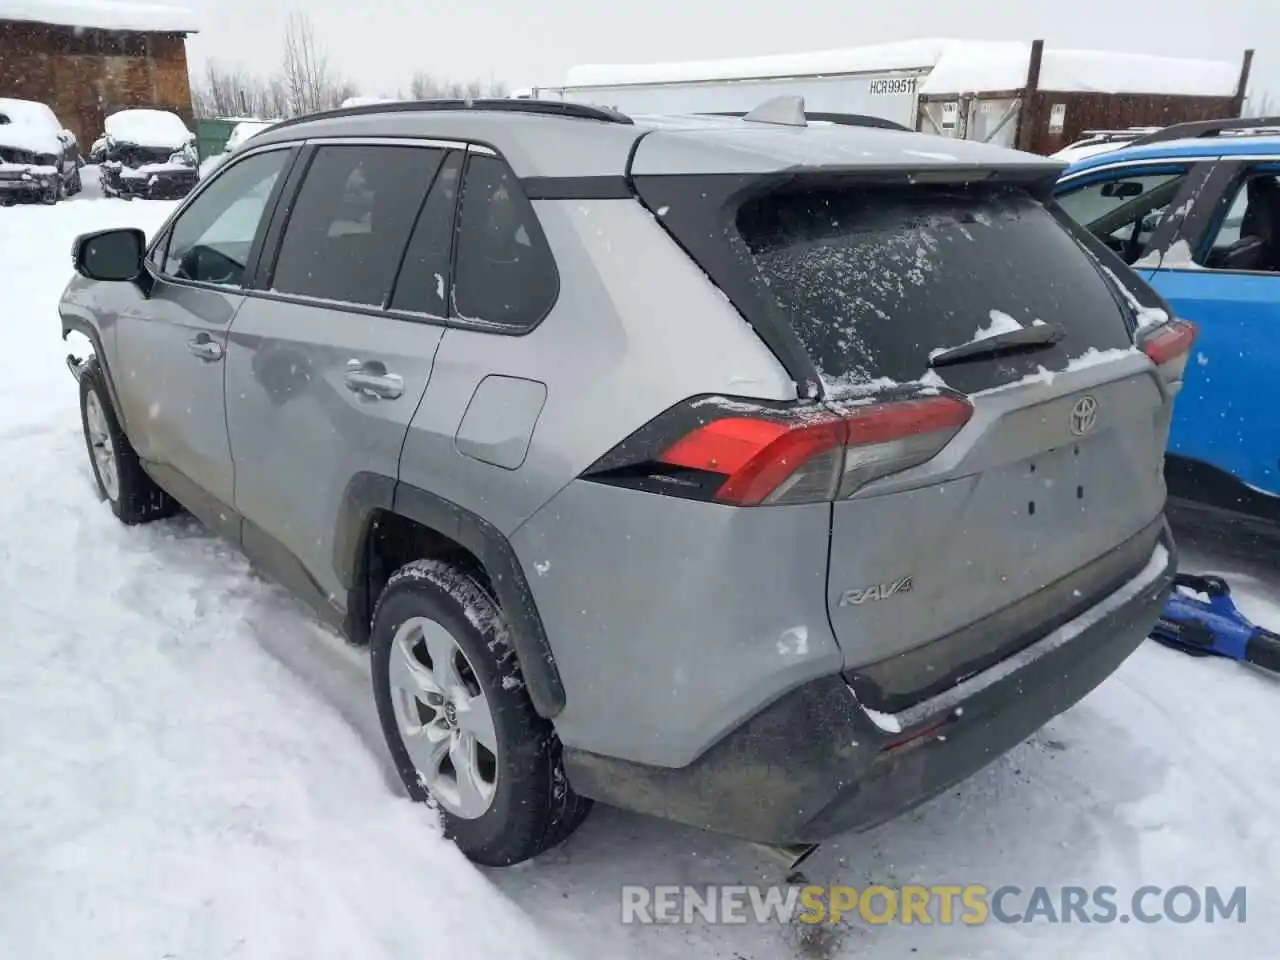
[(949, 66), (173, 17), (894, 81)]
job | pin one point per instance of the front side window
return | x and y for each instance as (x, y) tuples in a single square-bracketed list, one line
[(210, 242), (1124, 212), (351, 220), (506, 275)]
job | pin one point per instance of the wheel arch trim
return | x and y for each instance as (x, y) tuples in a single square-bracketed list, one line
[(367, 493)]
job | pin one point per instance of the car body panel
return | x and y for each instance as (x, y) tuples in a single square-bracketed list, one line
[(988, 514), (654, 343), (1230, 387), (172, 398), (299, 433)]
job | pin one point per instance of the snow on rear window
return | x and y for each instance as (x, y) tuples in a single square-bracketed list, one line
[(875, 280)]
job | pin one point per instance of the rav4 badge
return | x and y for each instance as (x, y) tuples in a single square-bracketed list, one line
[(877, 591)]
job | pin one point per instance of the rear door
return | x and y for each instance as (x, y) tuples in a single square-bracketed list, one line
[(1224, 274), (323, 374)]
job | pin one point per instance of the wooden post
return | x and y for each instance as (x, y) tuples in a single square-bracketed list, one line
[(1024, 136), (1237, 103)]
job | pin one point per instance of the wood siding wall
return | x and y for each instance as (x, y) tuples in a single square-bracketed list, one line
[(86, 74), (1114, 111)]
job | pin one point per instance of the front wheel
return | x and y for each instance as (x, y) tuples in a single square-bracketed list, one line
[(133, 496), (458, 720)]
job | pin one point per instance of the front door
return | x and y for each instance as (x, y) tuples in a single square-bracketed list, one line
[(328, 362), (173, 338), (1228, 282)]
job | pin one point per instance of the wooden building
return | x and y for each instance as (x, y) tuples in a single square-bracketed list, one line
[(86, 61)]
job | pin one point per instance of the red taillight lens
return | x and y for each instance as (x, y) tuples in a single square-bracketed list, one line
[(1169, 345), (816, 454)]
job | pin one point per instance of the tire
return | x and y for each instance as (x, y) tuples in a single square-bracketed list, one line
[(76, 185), (133, 496), (530, 805)]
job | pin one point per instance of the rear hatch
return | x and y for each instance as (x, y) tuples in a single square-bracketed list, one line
[(1041, 500)]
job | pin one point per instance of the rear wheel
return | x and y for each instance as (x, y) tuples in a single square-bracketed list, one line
[(458, 720), (133, 496)]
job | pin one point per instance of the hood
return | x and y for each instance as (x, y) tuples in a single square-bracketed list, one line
[(29, 126), (148, 128)]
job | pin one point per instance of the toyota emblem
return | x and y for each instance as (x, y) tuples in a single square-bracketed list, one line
[(1084, 416)]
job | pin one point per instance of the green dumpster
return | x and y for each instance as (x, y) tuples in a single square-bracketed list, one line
[(212, 134)]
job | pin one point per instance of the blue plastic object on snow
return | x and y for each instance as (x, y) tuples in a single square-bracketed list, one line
[(1200, 618)]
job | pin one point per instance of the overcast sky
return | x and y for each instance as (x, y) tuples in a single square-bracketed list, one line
[(380, 43)]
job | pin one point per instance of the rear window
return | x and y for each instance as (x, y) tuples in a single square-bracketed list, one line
[(874, 279)]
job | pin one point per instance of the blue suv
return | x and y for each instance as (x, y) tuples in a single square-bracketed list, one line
[(1195, 210)]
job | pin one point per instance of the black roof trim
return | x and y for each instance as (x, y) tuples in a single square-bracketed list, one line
[(1196, 129), (546, 108)]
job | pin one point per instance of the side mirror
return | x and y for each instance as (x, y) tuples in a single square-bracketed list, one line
[(110, 255), (1122, 189)]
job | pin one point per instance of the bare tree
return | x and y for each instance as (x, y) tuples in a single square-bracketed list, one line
[(310, 80), (423, 86)]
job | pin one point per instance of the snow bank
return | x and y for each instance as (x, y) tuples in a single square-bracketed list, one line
[(168, 787), (104, 14), (148, 128), (953, 66)]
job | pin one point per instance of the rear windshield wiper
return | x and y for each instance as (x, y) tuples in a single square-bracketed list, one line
[(1014, 341)]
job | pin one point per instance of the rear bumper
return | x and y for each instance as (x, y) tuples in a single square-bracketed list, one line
[(814, 764)]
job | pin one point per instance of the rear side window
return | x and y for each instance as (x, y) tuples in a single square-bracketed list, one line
[(506, 275), (350, 222), (874, 279)]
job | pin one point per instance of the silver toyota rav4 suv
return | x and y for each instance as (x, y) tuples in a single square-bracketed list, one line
[(764, 474)]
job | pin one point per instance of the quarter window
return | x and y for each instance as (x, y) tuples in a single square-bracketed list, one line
[(506, 275), (210, 242), (351, 220)]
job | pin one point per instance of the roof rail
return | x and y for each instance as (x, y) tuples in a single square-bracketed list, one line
[(547, 108), (844, 119), (1196, 129)]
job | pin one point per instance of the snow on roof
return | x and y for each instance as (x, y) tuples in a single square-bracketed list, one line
[(953, 66), (148, 128), (175, 17), (364, 102), (28, 125)]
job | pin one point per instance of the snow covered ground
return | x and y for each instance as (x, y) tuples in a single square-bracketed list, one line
[(190, 766)]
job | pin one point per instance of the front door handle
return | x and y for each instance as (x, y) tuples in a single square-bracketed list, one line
[(370, 379), (206, 348)]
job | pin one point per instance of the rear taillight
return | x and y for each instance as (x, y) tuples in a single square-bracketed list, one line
[(748, 454), (1169, 346)]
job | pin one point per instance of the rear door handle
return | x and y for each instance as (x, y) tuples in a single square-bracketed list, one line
[(370, 379), (206, 348)]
